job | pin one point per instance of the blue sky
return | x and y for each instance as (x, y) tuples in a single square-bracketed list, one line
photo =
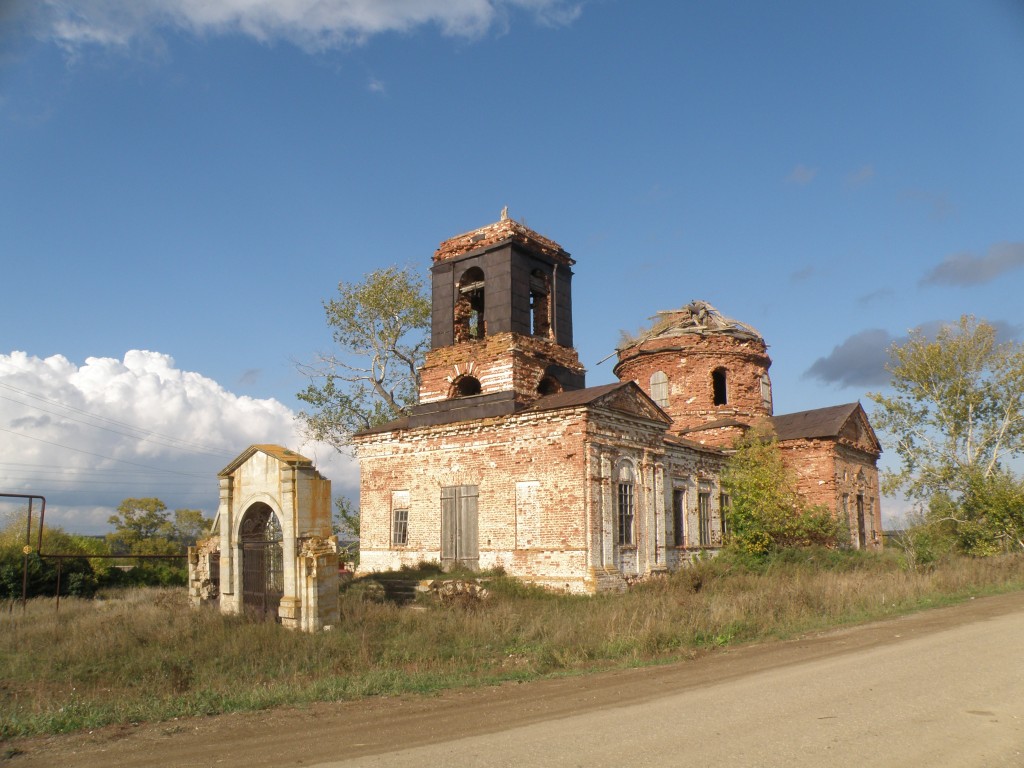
[(182, 184)]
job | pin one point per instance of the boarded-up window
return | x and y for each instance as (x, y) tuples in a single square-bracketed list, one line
[(528, 512), (659, 388), (459, 535)]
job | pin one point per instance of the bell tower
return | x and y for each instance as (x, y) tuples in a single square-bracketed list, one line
[(501, 325)]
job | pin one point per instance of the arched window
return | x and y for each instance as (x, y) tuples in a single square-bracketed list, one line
[(625, 501), (549, 385), (466, 386), (659, 388), (469, 306), (540, 304), (719, 390)]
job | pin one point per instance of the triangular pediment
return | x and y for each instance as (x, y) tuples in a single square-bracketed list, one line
[(279, 452), (857, 432), (629, 398)]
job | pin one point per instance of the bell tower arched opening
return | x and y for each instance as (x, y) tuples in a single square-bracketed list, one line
[(469, 306)]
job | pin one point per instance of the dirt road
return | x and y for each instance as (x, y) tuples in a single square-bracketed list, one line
[(939, 688)]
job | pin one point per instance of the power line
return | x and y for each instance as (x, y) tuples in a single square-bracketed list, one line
[(100, 455), (141, 433)]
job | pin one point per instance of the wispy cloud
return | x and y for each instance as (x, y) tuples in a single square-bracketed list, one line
[(882, 294), (250, 376), (802, 275), (970, 269), (376, 86), (802, 175), (861, 176), (939, 205), (311, 24)]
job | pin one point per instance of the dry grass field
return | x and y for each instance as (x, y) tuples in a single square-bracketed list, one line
[(144, 655)]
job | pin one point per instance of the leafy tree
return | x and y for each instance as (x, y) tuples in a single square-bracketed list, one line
[(379, 326), (988, 518), (766, 513), (346, 527), (141, 526), (956, 412), (189, 526), (346, 516), (78, 576), (144, 527)]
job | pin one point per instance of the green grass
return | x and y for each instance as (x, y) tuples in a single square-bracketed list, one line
[(145, 655)]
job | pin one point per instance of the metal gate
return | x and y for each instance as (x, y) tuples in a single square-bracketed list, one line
[(262, 562)]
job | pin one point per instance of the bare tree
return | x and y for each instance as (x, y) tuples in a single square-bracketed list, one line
[(380, 328)]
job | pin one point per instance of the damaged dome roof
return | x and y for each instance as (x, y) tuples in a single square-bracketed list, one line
[(697, 317)]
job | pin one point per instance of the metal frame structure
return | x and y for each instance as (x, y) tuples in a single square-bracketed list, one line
[(59, 557)]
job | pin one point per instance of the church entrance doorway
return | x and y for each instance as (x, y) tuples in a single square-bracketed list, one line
[(459, 532)]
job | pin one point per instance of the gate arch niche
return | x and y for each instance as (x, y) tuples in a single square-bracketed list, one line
[(262, 545), (277, 555)]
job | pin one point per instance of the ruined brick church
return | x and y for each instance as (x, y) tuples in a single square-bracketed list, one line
[(509, 460)]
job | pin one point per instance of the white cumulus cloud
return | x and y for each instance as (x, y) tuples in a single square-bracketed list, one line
[(86, 436), (312, 24)]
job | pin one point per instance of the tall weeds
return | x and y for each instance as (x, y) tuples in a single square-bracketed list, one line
[(145, 655)]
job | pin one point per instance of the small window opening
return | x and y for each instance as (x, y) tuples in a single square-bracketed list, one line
[(549, 385), (469, 306), (467, 386), (540, 304), (719, 392), (766, 392)]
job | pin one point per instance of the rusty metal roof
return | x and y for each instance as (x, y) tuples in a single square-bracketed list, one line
[(279, 452), (818, 422), (575, 397), (570, 399), (716, 424)]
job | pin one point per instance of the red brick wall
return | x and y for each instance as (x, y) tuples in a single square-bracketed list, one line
[(825, 471), (502, 363), (689, 360), (547, 494), (494, 455)]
